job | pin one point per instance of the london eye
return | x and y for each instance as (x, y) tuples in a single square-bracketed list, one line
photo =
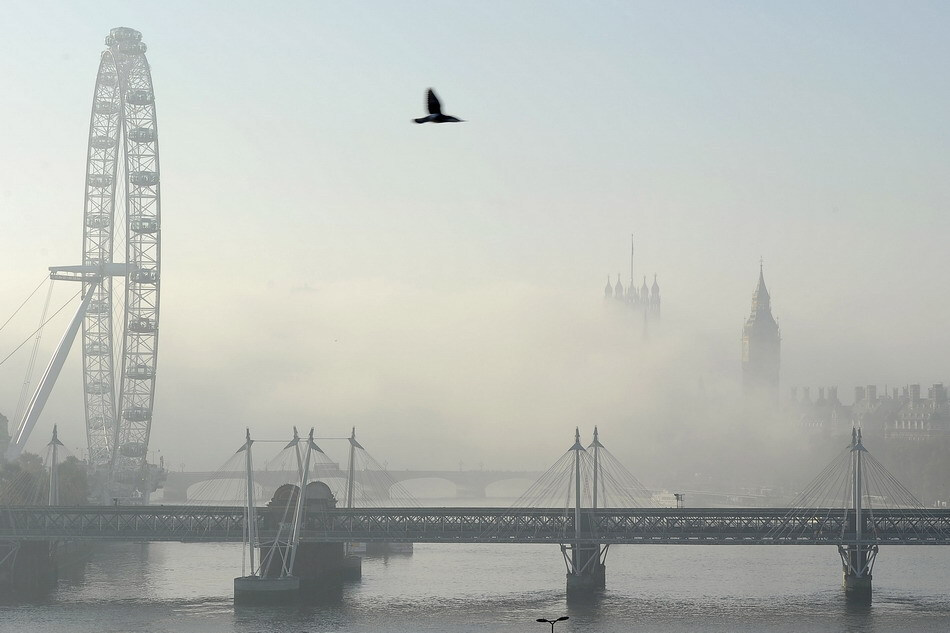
[(122, 212)]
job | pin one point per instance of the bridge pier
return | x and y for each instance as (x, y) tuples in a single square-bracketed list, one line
[(471, 491), (856, 564), (586, 570), (857, 588), (319, 566), (319, 571)]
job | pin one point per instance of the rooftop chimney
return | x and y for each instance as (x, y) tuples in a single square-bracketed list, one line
[(860, 393)]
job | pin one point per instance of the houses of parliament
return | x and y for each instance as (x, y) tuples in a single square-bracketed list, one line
[(761, 338), (644, 301)]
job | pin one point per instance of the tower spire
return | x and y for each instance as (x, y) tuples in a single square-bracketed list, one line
[(631, 261), (761, 301)]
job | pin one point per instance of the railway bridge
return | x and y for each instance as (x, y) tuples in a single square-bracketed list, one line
[(612, 526)]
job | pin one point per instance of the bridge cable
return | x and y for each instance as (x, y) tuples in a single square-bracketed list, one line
[(28, 378), (45, 278), (27, 339)]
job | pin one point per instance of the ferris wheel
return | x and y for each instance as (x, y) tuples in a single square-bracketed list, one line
[(122, 211)]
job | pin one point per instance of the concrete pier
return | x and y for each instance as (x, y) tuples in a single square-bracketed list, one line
[(266, 591), (587, 583), (588, 575), (856, 562), (320, 570), (857, 588), (319, 566)]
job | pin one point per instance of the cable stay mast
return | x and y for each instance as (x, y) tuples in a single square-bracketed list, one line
[(54, 445), (301, 504), (250, 531), (858, 556)]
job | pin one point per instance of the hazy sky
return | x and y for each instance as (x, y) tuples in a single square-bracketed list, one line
[(326, 261)]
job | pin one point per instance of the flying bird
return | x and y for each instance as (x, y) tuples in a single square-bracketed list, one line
[(435, 111)]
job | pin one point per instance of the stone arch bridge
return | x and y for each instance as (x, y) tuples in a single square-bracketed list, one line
[(469, 484)]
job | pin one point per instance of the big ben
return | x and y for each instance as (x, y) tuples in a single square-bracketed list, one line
[(761, 343)]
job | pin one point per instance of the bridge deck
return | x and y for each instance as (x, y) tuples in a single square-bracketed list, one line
[(697, 526)]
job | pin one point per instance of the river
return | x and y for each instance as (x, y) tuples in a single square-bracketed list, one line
[(186, 587)]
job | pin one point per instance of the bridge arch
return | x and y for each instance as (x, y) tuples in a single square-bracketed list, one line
[(427, 488), (508, 488), (225, 491)]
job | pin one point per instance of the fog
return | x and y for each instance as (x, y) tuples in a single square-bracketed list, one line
[(326, 263)]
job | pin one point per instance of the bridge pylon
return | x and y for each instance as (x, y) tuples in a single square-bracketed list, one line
[(584, 557), (857, 555)]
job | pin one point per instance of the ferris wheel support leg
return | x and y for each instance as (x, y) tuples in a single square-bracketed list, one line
[(43, 390)]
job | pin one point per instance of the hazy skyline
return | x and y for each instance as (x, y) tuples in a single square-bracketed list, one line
[(326, 262)]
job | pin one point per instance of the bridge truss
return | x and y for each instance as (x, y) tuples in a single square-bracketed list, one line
[(631, 526)]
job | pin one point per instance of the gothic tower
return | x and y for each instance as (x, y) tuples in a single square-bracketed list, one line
[(655, 299), (761, 342), (643, 300)]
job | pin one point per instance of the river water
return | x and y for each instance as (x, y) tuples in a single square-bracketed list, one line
[(186, 587)]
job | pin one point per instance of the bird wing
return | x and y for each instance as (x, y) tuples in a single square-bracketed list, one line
[(433, 102)]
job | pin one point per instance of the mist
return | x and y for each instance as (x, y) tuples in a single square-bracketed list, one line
[(492, 375)]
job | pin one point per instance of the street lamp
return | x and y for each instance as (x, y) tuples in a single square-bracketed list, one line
[(551, 622)]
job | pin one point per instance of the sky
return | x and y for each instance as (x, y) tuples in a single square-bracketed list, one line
[(328, 263)]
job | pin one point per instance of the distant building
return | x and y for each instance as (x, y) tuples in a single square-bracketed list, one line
[(825, 415), (761, 342), (872, 412), (898, 415), (920, 418), (644, 301)]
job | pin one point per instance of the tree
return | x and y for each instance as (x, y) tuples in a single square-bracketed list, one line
[(24, 481), (73, 482)]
